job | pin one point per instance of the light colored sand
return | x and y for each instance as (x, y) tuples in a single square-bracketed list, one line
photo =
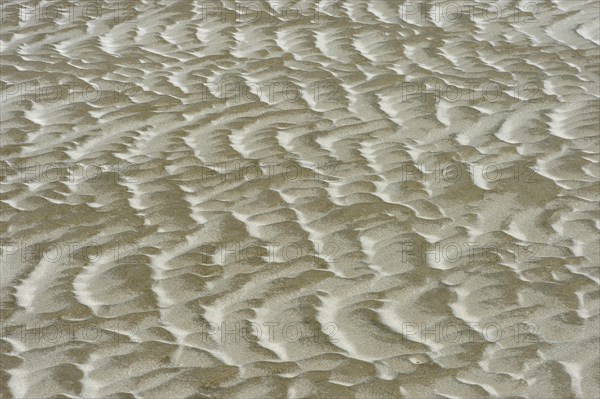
[(358, 200)]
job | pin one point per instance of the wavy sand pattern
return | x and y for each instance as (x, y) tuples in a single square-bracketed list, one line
[(316, 199)]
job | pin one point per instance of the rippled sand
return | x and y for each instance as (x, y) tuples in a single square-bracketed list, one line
[(262, 199)]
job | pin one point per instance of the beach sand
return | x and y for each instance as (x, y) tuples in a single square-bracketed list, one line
[(308, 199)]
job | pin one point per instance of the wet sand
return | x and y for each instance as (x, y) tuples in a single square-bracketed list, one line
[(261, 199)]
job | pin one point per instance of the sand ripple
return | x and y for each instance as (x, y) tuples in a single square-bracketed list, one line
[(309, 199)]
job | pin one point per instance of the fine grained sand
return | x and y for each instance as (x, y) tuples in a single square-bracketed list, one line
[(349, 199)]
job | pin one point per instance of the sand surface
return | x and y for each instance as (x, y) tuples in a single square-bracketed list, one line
[(308, 199)]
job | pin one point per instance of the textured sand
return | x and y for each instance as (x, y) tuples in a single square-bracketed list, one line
[(265, 199)]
